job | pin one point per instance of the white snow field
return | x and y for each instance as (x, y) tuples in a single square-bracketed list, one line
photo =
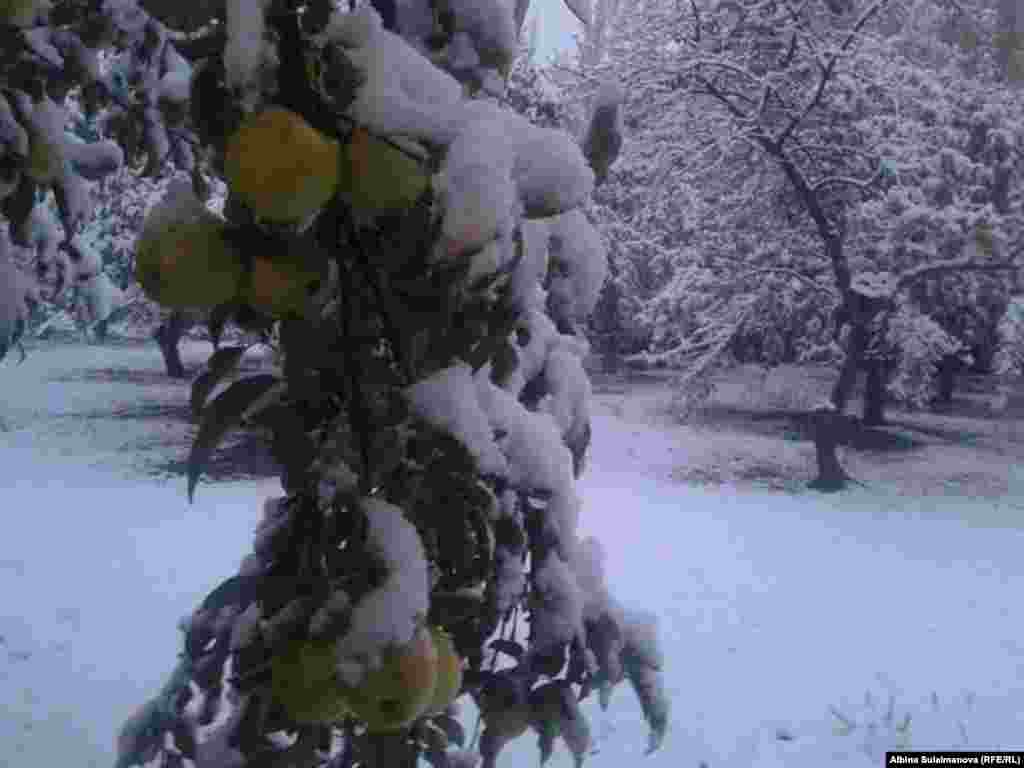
[(773, 608)]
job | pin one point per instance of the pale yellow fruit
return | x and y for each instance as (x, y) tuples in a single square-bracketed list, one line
[(304, 682), (377, 178), (449, 672), (400, 690), (280, 166), (188, 264)]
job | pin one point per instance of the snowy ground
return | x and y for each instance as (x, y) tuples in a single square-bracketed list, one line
[(773, 607)]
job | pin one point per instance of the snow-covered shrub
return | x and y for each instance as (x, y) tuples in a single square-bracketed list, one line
[(923, 344), (1010, 356)]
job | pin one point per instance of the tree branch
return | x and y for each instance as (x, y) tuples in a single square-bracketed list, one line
[(862, 185), (914, 274), (828, 70), (813, 284)]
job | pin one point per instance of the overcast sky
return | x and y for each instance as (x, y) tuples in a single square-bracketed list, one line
[(556, 27)]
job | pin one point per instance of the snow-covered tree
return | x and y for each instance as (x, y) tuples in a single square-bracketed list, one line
[(423, 256), (782, 178)]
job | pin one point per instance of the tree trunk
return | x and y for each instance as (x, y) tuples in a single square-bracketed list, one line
[(167, 336), (831, 424), (856, 345), (946, 381), (612, 360), (830, 427), (874, 394)]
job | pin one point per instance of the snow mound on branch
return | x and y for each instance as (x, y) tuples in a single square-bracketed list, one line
[(490, 27), (476, 186), (588, 565), (403, 92), (247, 54), (492, 257), (126, 16), (551, 173), (175, 85), (558, 604), (532, 443), (390, 614), (94, 160), (534, 354), (447, 400), (578, 246), (38, 40), (875, 285), (568, 400), (527, 278)]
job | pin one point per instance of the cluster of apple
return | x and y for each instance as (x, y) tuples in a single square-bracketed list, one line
[(418, 679)]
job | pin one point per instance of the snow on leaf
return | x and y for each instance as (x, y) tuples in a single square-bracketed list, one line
[(39, 42), (390, 614), (245, 52), (642, 660), (587, 562), (476, 186), (403, 92), (447, 400), (579, 247), (876, 285), (490, 25), (533, 447), (569, 389), (551, 173), (557, 608)]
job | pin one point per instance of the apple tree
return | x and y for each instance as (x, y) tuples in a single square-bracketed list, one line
[(420, 254)]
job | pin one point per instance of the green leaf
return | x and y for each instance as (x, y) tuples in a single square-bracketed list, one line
[(221, 363), (221, 415)]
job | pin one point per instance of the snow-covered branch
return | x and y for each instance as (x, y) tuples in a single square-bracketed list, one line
[(809, 282), (909, 276), (828, 69), (861, 184)]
